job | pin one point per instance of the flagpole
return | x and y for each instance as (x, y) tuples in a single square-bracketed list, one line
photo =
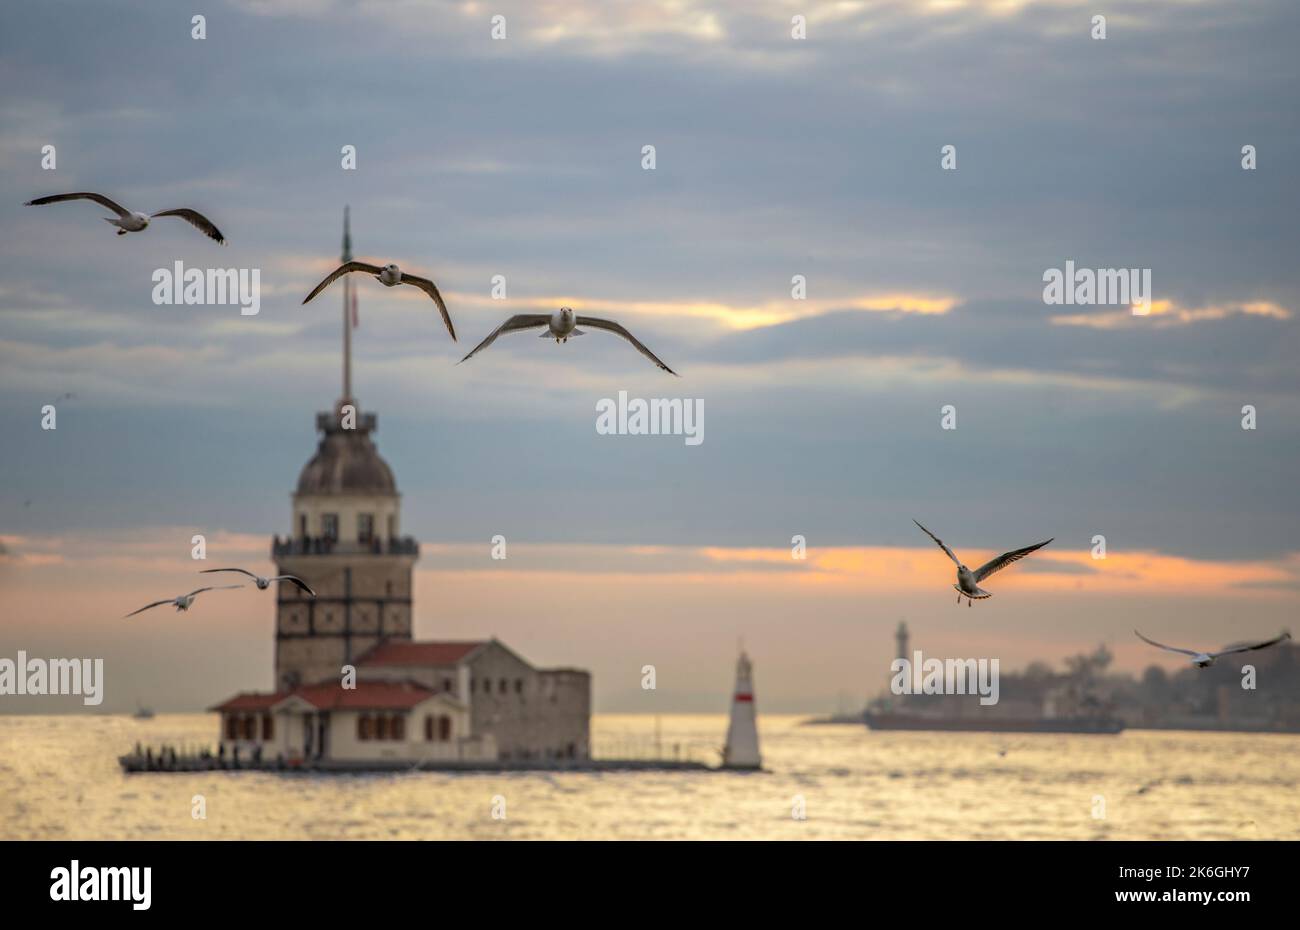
[(347, 310)]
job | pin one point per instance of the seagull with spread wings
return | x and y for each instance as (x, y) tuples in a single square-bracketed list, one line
[(968, 581), (1206, 659), (184, 601), (389, 276), (131, 221), (264, 583), (560, 325)]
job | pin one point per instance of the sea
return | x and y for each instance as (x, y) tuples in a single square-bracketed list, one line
[(60, 779)]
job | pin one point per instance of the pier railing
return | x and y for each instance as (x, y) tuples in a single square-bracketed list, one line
[(648, 749)]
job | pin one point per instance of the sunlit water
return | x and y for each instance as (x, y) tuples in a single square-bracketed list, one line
[(59, 779)]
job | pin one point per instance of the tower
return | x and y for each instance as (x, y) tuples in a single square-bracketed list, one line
[(741, 751), (346, 543)]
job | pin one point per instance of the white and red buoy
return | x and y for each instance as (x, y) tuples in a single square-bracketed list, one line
[(741, 751)]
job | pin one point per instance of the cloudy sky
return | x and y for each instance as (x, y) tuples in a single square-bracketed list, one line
[(775, 157)]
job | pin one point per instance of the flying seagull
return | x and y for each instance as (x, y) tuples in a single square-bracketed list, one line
[(263, 583), (130, 221), (560, 325), (1206, 659), (389, 276), (968, 581), (184, 601)]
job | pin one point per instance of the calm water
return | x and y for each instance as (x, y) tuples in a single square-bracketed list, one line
[(59, 779)]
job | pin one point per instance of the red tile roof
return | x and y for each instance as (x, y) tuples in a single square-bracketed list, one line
[(367, 695), (434, 653), (250, 700)]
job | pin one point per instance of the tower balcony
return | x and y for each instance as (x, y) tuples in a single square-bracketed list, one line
[(325, 545)]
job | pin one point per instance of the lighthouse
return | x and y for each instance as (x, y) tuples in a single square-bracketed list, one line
[(741, 751)]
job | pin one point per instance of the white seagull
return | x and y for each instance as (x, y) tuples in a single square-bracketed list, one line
[(1206, 659), (968, 581), (263, 583), (184, 601), (389, 276), (131, 221), (560, 325)]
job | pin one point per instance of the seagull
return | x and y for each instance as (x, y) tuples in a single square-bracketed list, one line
[(968, 581), (184, 601), (389, 276), (263, 583), (1206, 659), (560, 325), (130, 221)]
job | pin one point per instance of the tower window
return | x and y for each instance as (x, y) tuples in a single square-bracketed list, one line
[(444, 728), (365, 527), (329, 526)]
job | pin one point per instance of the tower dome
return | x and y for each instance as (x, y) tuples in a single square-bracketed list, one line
[(346, 461)]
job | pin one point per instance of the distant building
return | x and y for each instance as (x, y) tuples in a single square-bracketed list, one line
[(423, 701)]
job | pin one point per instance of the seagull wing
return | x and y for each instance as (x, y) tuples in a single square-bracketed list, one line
[(1005, 559), (84, 195), (170, 600), (198, 221), (339, 272), (613, 327), (223, 587), (940, 543), (296, 580), (1186, 652), (518, 321), (1272, 642), (241, 571), (431, 289)]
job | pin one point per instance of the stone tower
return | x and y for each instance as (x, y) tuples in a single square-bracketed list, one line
[(346, 543)]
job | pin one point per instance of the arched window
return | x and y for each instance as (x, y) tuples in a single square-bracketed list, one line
[(363, 727), (505, 685), (444, 728), (381, 726), (232, 727), (250, 727), (398, 729), (428, 728)]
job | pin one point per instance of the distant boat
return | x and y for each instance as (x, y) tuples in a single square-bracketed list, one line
[(143, 713), (987, 724)]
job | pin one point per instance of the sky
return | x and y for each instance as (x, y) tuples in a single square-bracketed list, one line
[(775, 157)]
